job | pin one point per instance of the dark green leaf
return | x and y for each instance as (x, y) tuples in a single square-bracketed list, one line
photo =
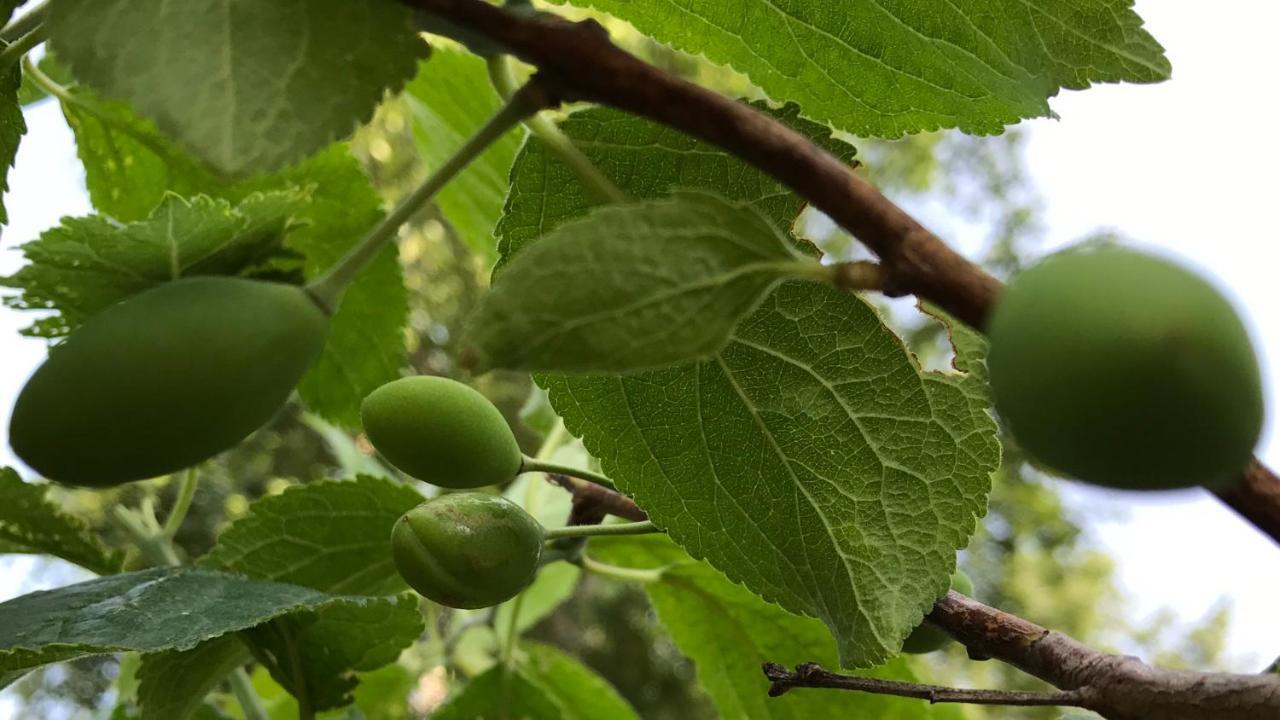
[(318, 653), (881, 69), (632, 287), (30, 523), (304, 74), (332, 536), (172, 684), (12, 126), (148, 611)]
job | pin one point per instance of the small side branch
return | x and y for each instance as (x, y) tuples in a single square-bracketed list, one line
[(812, 675)]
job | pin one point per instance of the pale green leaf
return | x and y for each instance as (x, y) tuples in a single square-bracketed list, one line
[(728, 633), (248, 87), (501, 694), (147, 611), (873, 473), (545, 685), (579, 690), (631, 287), (85, 264), (449, 99), (888, 67), (319, 652), (31, 523), (333, 536)]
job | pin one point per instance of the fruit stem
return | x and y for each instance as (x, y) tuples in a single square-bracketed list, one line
[(536, 465), (621, 573), (16, 49), (328, 288), (186, 493), (635, 528), (598, 185), (250, 703), (25, 24)]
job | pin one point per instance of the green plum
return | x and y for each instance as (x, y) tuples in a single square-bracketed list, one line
[(1125, 370), (166, 379), (441, 431), (467, 550)]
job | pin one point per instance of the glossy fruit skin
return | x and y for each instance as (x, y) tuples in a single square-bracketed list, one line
[(467, 550), (1125, 370), (927, 638), (166, 379), (441, 431)]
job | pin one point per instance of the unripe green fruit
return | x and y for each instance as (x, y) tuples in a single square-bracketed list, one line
[(166, 379), (1125, 370), (441, 431), (927, 638), (467, 550)]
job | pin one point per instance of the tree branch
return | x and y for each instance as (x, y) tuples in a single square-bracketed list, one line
[(812, 675), (1256, 498), (577, 61), (1116, 687)]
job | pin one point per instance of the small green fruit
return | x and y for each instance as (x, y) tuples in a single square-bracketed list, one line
[(927, 638), (1125, 370), (166, 379), (467, 550), (441, 431)]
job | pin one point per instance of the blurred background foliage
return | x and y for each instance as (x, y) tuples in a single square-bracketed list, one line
[(1031, 555)]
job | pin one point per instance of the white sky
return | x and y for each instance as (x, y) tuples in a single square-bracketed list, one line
[(1187, 166)]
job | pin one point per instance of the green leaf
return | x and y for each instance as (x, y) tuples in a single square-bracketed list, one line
[(12, 126), (172, 684), (881, 69), (449, 99), (318, 653), (85, 264), (546, 685), (575, 687), (148, 611), (31, 523), (247, 87), (632, 287), (729, 633), (873, 472), (501, 694), (333, 536)]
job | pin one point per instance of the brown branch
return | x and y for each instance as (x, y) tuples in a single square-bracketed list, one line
[(578, 62), (1116, 687), (591, 502), (1256, 498), (812, 675)]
